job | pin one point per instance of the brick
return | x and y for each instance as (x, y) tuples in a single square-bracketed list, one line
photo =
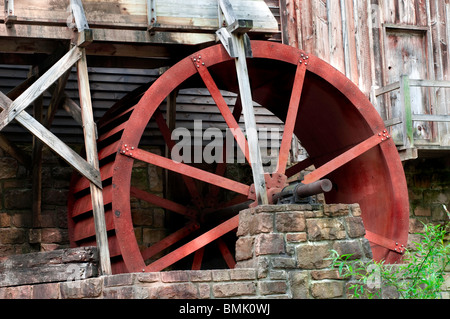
[(296, 237), (290, 222), (355, 227), (18, 198), (327, 289), (220, 275), (267, 244), (335, 210), (244, 248), (272, 287), (8, 168), (299, 282), (200, 275), (88, 288), (118, 280), (148, 277), (235, 289), (313, 256), (325, 229), (12, 236), (356, 210), (174, 276), (251, 223), (4, 220), (20, 292), (125, 292), (284, 262), (54, 235), (204, 291), (349, 247), (173, 291), (242, 274), (325, 274), (46, 291)]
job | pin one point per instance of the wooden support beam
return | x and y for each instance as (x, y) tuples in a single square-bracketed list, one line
[(250, 123), (55, 144), (240, 49), (42, 84), (405, 103), (87, 116)]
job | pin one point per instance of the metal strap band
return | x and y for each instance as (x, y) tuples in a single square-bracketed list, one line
[(385, 242)]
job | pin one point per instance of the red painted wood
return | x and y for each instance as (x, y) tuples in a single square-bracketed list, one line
[(291, 117), (194, 245)]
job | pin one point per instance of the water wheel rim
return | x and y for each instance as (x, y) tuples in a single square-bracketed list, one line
[(396, 184)]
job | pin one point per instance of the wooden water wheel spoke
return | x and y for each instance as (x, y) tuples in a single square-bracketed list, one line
[(346, 157), (300, 166), (185, 170), (169, 240), (198, 257), (194, 245), (161, 202), (338, 136), (167, 135), (291, 117), (228, 116), (226, 254), (221, 167)]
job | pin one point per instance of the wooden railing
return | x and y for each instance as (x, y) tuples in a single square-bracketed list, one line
[(407, 117)]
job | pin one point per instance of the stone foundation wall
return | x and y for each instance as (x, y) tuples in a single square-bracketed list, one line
[(281, 253)]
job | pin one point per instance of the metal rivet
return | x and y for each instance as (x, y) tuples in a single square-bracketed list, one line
[(195, 59), (306, 63), (203, 63)]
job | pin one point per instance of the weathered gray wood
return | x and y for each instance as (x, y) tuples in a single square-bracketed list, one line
[(250, 123), (45, 267), (42, 84), (55, 144), (431, 118), (92, 158), (79, 15)]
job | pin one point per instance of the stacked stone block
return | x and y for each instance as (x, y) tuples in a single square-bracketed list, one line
[(291, 243), (281, 252)]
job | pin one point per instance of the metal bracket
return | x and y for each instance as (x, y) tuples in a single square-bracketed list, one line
[(10, 18), (151, 12), (232, 28), (385, 242), (78, 13)]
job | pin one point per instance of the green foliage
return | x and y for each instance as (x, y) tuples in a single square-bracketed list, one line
[(419, 276)]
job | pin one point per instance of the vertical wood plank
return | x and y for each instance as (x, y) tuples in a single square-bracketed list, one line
[(250, 123), (92, 158), (405, 103)]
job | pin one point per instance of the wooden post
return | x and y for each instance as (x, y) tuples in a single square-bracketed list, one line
[(92, 158), (250, 123), (242, 50), (405, 103)]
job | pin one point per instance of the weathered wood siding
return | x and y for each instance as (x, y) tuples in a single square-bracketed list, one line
[(374, 42)]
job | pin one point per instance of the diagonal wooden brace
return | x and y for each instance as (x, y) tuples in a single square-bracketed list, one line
[(54, 143), (11, 111)]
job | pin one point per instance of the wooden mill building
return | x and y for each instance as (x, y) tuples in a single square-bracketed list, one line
[(56, 56)]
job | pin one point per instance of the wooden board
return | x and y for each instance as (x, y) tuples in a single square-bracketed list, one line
[(53, 266), (203, 15)]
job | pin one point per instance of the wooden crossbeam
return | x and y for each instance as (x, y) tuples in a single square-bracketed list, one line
[(41, 85), (55, 144)]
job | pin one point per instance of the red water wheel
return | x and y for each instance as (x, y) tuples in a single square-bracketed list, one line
[(341, 131)]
